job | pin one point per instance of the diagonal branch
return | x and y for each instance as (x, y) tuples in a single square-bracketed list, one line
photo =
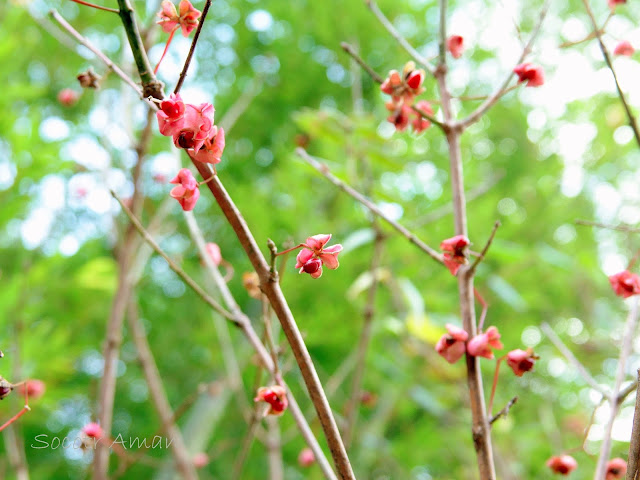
[(607, 58), (492, 100), (324, 170), (480, 257), (192, 49), (633, 464), (399, 38)]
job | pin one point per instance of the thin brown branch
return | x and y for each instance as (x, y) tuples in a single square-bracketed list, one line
[(568, 354), (492, 100), (351, 411), (98, 7), (620, 228), (192, 49), (625, 351), (625, 392), (505, 411), (158, 395), (398, 37), (83, 41), (633, 463), (282, 311), (607, 58), (324, 171), (480, 257)]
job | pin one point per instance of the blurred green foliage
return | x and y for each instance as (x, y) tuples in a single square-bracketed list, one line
[(55, 163)]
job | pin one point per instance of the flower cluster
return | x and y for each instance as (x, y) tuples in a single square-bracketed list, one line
[(314, 255), (532, 74), (403, 89), (454, 252), (192, 128), (275, 396), (170, 19)]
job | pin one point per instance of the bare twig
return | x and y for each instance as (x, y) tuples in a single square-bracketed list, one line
[(633, 464), (187, 62), (83, 41), (324, 170), (158, 395), (351, 411), (399, 38), (282, 311), (625, 351), (505, 411), (486, 247), (491, 101), (625, 392), (620, 228), (607, 58), (546, 328)]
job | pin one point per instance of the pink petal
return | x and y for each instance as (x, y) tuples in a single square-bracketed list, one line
[(303, 257), (330, 260), (337, 248), (317, 273), (318, 241)]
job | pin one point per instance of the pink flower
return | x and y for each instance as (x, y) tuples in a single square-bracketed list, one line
[(275, 396), (200, 460), (68, 97), (214, 252), (187, 191), (616, 468), (170, 19), (532, 74), (625, 284), (451, 345), (314, 255), (420, 123), (614, 3), (34, 388), (624, 48), (521, 361), (211, 151), (481, 344), (171, 115), (454, 252), (455, 45), (306, 458), (93, 430), (563, 464), (403, 88), (197, 127), (400, 115)]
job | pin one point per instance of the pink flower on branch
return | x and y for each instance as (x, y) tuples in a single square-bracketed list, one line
[(625, 284), (314, 255), (68, 97), (481, 344), (532, 74), (93, 430), (616, 469), (197, 127), (454, 252), (563, 464), (171, 115), (420, 123), (34, 389), (455, 45), (624, 48), (211, 150), (213, 250), (403, 88), (521, 361), (186, 191), (275, 396), (306, 458), (170, 19), (452, 344)]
